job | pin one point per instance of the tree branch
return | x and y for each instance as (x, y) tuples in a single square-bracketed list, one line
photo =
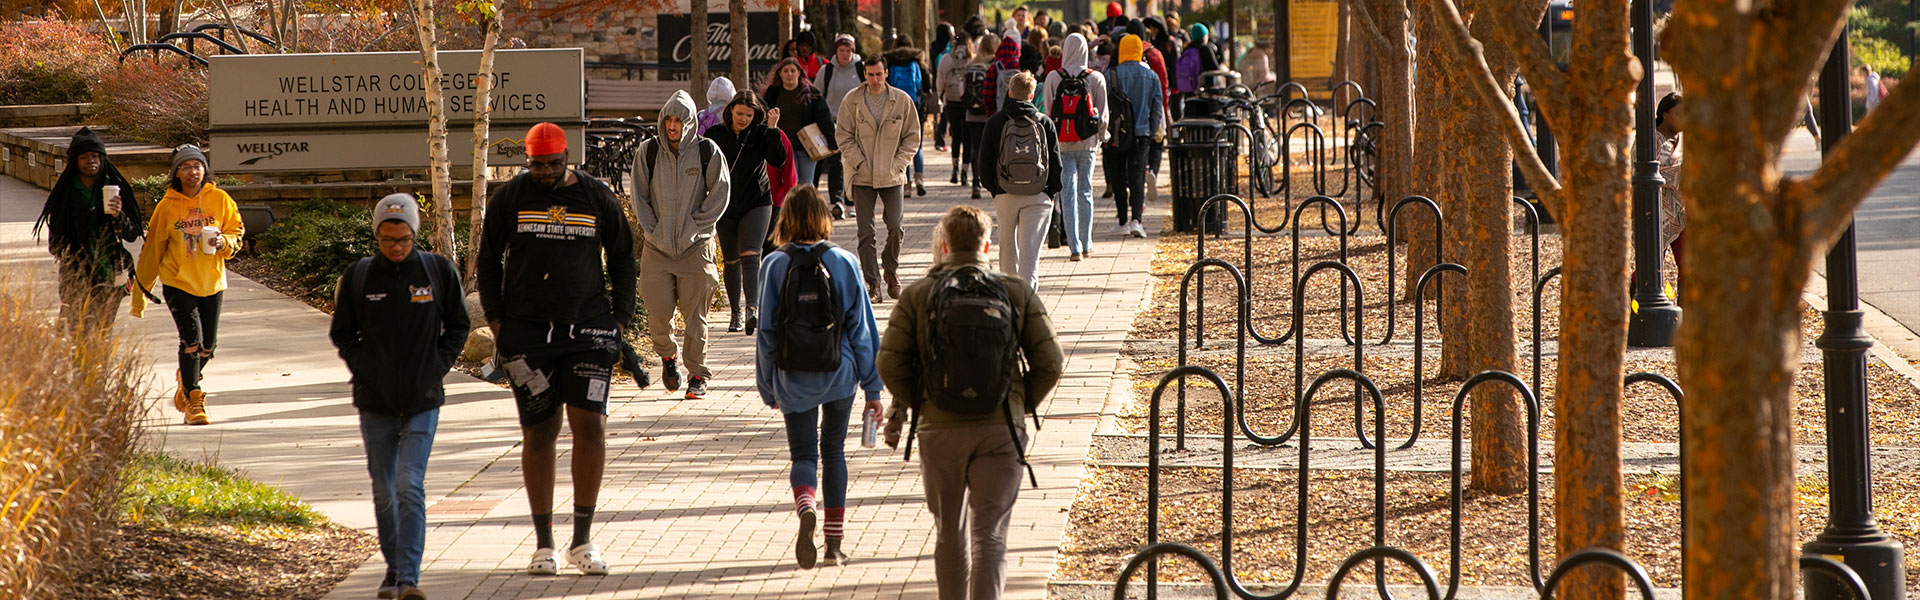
[(1475, 70), (1534, 57), (1366, 18), (1862, 159)]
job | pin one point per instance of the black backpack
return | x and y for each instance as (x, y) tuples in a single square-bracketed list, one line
[(1119, 117), (1072, 108), (975, 94), (972, 350), (810, 324)]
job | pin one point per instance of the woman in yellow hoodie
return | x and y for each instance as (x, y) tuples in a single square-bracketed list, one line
[(194, 230)]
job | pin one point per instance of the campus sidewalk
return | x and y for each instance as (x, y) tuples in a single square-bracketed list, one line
[(696, 502)]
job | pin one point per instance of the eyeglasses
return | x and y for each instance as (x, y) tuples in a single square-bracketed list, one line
[(387, 241), (550, 165)]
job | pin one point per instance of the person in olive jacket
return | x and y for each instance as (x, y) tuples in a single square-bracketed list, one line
[(400, 320), (748, 135)]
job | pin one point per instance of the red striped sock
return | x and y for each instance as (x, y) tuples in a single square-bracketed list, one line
[(836, 523), (802, 497)]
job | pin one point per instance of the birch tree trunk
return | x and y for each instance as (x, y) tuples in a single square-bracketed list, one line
[(482, 122), (439, 166)]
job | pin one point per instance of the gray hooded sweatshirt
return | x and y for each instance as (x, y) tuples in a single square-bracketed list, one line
[(1073, 59), (678, 210)]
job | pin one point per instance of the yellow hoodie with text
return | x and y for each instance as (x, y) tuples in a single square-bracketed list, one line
[(172, 254)]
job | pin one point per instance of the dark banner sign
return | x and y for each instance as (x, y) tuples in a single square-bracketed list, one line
[(676, 45)]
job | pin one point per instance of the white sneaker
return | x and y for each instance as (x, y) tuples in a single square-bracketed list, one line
[(586, 558), (1119, 229), (543, 563), (1136, 230)]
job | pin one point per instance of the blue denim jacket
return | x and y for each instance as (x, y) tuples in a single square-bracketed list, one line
[(798, 391), (1141, 87)]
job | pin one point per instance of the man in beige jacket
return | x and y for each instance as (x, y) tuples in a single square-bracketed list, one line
[(878, 132)]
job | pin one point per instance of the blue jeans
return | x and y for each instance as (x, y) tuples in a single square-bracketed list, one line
[(817, 440), (803, 166), (1076, 199), (397, 449)]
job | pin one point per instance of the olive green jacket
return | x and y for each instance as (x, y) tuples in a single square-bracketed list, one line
[(900, 351)]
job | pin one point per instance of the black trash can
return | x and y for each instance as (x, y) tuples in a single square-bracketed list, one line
[(1203, 155)]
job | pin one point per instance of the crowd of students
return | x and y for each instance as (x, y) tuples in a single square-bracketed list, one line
[(967, 355)]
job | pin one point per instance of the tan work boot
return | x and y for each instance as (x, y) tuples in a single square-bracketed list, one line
[(196, 408)]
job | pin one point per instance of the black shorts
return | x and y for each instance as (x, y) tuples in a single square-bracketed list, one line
[(573, 368)]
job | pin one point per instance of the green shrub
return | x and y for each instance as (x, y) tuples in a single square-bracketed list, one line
[(165, 489), (1881, 56), (154, 101), (313, 242), (49, 62)]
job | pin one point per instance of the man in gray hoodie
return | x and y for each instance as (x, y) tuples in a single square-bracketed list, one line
[(679, 192)]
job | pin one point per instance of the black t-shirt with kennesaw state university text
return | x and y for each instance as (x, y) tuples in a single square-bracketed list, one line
[(541, 254)]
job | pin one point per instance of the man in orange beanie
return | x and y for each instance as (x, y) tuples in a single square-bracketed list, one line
[(557, 324)]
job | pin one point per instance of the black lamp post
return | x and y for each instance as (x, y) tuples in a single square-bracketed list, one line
[(1656, 316), (1851, 535)]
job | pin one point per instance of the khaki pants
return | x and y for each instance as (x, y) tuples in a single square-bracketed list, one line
[(972, 477), (686, 283)]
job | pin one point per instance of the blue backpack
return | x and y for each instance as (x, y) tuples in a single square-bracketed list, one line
[(906, 78), (1186, 72)]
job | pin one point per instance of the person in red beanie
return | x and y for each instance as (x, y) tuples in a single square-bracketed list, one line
[(557, 323), (1116, 17)]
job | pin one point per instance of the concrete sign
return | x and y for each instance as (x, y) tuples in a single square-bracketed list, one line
[(256, 152), (278, 91)]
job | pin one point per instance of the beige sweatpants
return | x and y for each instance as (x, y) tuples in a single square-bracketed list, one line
[(685, 283), (972, 477)]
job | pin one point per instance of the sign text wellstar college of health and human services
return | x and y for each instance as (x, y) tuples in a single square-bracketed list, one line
[(387, 87), (318, 112)]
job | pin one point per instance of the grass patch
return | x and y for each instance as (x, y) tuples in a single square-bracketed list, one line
[(164, 489)]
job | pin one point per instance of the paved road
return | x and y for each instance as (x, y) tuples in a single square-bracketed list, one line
[(1887, 234)]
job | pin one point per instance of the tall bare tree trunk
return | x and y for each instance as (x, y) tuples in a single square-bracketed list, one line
[(439, 166), (697, 62), (738, 41), (1589, 490), (482, 122), (1437, 126), (1752, 238), (1479, 229)]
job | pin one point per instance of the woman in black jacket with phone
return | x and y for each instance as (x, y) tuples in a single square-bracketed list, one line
[(748, 137)]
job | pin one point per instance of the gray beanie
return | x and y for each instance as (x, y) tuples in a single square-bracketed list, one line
[(185, 153), (397, 207)]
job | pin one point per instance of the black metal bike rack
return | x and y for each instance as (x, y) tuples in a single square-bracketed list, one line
[(1240, 354), (1390, 228), (1419, 342)]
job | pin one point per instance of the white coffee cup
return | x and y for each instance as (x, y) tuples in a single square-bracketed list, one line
[(110, 197), (209, 235)]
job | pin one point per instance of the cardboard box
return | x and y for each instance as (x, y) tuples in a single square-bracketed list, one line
[(816, 143)]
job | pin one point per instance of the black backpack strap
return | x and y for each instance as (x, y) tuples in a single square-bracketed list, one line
[(359, 272), (653, 157)]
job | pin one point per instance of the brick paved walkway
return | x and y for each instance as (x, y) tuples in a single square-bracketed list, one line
[(696, 503)]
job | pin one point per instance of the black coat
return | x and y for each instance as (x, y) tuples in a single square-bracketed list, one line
[(990, 148), (400, 332), (817, 112), (749, 153)]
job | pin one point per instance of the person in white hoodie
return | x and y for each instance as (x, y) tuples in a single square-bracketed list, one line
[(680, 188), (1086, 95), (719, 93)]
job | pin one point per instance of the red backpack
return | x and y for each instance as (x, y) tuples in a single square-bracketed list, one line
[(1073, 110), (782, 179)]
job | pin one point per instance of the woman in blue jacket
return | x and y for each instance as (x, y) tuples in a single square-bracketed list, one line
[(817, 403)]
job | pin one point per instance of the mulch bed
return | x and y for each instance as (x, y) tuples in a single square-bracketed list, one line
[(1272, 297), (1648, 413), (265, 273), (204, 562), (1340, 522)]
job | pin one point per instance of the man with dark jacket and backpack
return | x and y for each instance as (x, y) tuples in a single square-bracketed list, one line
[(558, 312), (1076, 97), (1022, 158), (952, 357), (399, 322)]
